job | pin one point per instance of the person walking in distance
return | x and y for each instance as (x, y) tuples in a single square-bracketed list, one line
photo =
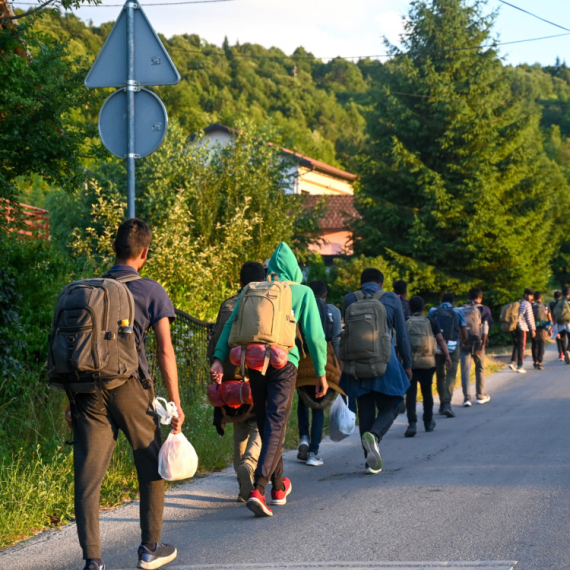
[(555, 334), (373, 377), (525, 327), (478, 320), (543, 321), (98, 416), (451, 322), (247, 442), (272, 389), (561, 316), (401, 289), (424, 333)]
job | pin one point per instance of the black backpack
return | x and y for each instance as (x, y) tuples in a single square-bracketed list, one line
[(448, 322), (92, 342), (326, 319)]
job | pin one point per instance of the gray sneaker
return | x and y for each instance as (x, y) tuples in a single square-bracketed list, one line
[(161, 555), (314, 460), (373, 457), (245, 480), (303, 453)]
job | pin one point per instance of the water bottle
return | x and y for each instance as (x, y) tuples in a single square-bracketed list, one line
[(125, 328)]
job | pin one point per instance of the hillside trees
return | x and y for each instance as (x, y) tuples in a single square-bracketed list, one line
[(457, 189)]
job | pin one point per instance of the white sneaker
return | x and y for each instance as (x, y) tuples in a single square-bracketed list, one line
[(314, 460), (303, 449), (370, 471), (483, 400), (513, 366), (521, 370), (467, 404)]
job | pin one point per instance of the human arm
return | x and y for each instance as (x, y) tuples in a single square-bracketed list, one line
[(167, 364), (402, 338), (443, 347), (222, 349), (308, 318)]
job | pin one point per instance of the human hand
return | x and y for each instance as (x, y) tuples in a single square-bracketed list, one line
[(448, 363), (408, 372), (321, 387), (176, 423), (217, 371), (533, 334), (68, 418)]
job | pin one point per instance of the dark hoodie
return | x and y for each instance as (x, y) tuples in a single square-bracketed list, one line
[(284, 264)]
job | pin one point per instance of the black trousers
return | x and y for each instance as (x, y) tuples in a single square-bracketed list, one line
[(377, 423), (538, 346), (272, 398), (97, 419), (519, 342), (425, 379)]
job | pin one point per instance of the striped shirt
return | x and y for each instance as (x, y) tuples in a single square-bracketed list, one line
[(526, 317)]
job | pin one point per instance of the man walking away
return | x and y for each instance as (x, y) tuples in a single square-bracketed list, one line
[(373, 377), (561, 315), (401, 289), (557, 295), (273, 391), (247, 443), (451, 322), (478, 320), (525, 326), (424, 333), (98, 416), (311, 432), (543, 321)]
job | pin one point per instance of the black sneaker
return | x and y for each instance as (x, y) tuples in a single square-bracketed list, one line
[(430, 426), (163, 554), (90, 565), (412, 430), (447, 411)]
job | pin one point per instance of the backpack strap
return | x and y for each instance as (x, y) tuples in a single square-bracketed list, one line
[(124, 278), (379, 294), (359, 295)]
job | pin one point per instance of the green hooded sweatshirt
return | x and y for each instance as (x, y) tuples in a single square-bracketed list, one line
[(305, 308)]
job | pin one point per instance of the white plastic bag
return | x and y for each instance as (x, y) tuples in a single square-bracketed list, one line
[(342, 421), (177, 458), (166, 412)]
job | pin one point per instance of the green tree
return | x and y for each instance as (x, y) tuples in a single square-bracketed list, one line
[(457, 190)]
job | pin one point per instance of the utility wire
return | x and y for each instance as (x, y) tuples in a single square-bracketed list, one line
[(121, 5), (533, 15), (29, 13)]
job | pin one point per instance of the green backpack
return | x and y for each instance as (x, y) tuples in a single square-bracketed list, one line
[(365, 346), (561, 312), (422, 342), (510, 316)]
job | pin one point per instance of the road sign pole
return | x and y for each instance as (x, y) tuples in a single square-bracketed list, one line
[(131, 88)]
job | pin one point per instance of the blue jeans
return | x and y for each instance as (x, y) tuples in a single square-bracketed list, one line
[(316, 425)]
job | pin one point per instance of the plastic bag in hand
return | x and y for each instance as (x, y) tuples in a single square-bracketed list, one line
[(342, 421), (166, 412), (177, 458)]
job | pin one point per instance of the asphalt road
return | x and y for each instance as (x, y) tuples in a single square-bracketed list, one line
[(486, 489)]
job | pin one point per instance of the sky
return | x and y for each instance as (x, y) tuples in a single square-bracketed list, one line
[(330, 28)]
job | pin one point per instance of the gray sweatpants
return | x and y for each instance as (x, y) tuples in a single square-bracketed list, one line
[(97, 420), (466, 357)]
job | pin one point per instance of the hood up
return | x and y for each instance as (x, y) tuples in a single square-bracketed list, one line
[(283, 263)]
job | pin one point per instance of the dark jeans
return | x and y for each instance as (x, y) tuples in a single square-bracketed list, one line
[(519, 346), (303, 412), (272, 398), (538, 346), (387, 407), (564, 338), (446, 378), (97, 420), (425, 379)]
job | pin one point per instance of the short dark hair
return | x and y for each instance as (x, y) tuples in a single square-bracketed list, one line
[(370, 274), (448, 298), (537, 295), (251, 272), (400, 287), (557, 294), (133, 236), (475, 293), (529, 291), (417, 304), (319, 287), (565, 291)]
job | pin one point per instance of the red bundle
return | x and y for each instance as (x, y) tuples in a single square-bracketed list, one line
[(233, 393), (255, 356)]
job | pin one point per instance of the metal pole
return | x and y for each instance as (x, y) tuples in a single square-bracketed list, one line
[(131, 88)]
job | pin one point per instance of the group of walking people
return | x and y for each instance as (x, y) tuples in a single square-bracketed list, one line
[(275, 336)]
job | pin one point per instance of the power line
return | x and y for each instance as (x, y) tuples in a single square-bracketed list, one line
[(121, 5), (534, 15)]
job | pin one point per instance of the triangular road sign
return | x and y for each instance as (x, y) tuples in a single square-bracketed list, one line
[(153, 65)]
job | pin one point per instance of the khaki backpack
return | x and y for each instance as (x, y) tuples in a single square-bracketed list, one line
[(365, 346), (561, 312), (265, 316), (422, 342), (510, 316)]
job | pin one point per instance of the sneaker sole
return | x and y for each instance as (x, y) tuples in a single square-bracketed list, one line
[(245, 482), (258, 508), (157, 563), (315, 463), (370, 471), (281, 502), (467, 405), (303, 452), (368, 442), (449, 414)]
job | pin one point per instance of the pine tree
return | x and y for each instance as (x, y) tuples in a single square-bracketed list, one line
[(457, 189)]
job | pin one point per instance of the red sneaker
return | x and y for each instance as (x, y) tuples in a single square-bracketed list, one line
[(257, 505), (280, 497)]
